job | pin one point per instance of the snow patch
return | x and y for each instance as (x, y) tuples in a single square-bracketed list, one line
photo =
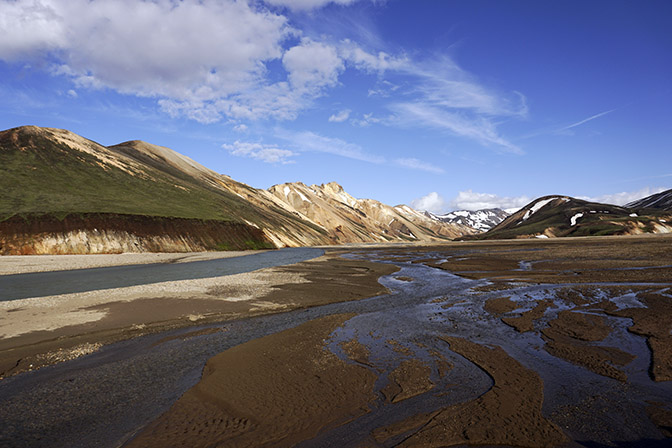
[(542, 237), (303, 198), (575, 218), (633, 215), (286, 190)]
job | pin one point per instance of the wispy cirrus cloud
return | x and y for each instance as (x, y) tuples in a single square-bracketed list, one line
[(443, 96), (416, 164), (259, 151), (477, 128), (304, 141)]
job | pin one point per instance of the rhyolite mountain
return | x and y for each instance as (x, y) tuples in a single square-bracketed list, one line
[(562, 216), (63, 193), (479, 220), (347, 219), (658, 201)]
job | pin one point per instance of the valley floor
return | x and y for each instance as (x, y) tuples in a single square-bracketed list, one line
[(516, 343)]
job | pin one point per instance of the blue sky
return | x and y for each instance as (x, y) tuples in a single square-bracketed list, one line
[(439, 104)]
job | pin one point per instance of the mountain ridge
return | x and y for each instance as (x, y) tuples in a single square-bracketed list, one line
[(555, 216), (54, 173)]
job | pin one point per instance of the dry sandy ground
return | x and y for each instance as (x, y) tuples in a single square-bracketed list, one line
[(22, 264)]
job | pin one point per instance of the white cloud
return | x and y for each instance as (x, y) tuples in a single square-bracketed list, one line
[(240, 128), (480, 129), (470, 200), (201, 50), (444, 96), (72, 94), (579, 123), (310, 141), (433, 202), (625, 197), (312, 65), (366, 120), (366, 61), (258, 151), (416, 164), (340, 117), (305, 5)]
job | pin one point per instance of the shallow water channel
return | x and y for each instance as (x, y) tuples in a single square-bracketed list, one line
[(103, 399)]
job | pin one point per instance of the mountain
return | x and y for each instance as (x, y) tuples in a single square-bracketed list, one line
[(63, 193), (348, 220), (659, 201), (560, 216), (479, 220)]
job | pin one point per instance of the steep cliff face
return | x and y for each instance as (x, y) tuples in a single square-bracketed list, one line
[(111, 233)]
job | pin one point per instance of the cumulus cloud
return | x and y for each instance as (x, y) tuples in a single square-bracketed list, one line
[(240, 128), (625, 197), (340, 117), (416, 164), (258, 151), (471, 200), (312, 65), (433, 202), (183, 50)]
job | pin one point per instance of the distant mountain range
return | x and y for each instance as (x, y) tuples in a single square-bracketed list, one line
[(561, 216), (63, 193), (480, 220)]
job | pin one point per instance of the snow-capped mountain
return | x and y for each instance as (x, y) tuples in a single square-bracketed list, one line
[(660, 201), (561, 216), (480, 220)]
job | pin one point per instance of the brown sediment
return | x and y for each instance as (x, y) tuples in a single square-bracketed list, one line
[(450, 305), (409, 379), (562, 260), (329, 279), (661, 417), (508, 414), (494, 286), (404, 279), (399, 348), (500, 305), (525, 322), (274, 391), (569, 335), (443, 366), (356, 351), (655, 323), (581, 326)]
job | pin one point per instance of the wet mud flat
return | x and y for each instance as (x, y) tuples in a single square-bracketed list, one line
[(475, 344)]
